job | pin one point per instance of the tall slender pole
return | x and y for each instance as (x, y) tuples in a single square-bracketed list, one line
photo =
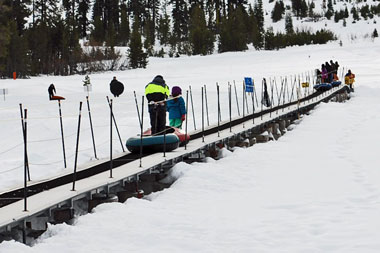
[(243, 100), (25, 162), (229, 105), (208, 120), (77, 146), (203, 118), (262, 97), (117, 129), (192, 106), (111, 159), (137, 107), (63, 138), (92, 130), (187, 109), (217, 89), (141, 127), (253, 104), (220, 113), (237, 101), (246, 100), (23, 132), (271, 98)]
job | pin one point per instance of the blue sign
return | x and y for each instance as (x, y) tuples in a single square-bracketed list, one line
[(248, 84)]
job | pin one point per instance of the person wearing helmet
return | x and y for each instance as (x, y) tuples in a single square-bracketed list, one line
[(176, 108)]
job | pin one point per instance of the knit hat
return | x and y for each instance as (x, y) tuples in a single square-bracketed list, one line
[(176, 91)]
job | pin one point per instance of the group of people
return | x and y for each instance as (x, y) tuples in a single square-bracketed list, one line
[(328, 72), (160, 101)]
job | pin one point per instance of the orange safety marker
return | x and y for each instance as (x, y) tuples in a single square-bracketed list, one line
[(14, 75)]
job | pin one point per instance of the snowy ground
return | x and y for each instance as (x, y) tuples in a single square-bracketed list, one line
[(314, 190)]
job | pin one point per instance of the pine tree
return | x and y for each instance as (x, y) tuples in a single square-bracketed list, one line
[(163, 30), (180, 20), (259, 15), (17, 60), (278, 11), (289, 24), (233, 36), (253, 29), (83, 22), (201, 38), (5, 36), (375, 34), (124, 26), (137, 58)]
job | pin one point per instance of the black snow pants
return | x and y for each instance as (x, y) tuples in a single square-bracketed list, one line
[(157, 118)]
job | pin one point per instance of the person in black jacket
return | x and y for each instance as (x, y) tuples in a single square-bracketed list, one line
[(157, 92), (51, 91)]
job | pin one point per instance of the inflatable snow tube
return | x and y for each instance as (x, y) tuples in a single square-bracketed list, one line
[(336, 83), (323, 87), (152, 144), (183, 137), (116, 88)]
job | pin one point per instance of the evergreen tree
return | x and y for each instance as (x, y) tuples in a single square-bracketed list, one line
[(233, 35), (137, 58), (83, 22), (5, 36), (375, 34), (259, 15), (98, 33), (124, 26), (289, 24), (278, 11), (253, 30), (17, 60), (180, 19), (163, 30), (201, 38), (19, 12)]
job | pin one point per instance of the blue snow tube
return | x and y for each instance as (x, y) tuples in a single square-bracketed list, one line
[(336, 83), (152, 144), (323, 86)]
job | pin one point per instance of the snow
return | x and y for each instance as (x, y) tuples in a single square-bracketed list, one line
[(316, 189)]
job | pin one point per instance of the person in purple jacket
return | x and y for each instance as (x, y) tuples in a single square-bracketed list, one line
[(324, 74), (176, 108)]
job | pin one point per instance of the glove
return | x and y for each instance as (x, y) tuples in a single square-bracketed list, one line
[(183, 117)]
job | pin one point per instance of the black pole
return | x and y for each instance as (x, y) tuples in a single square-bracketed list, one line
[(23, 133), (25, 163), (137, 107), (243, 100), (77, 146), (208, 120), (62, 136), (203, 119), (253, 104), (92, 130), (111, 117), (271, 98), (262, 97), (187, 107), (246, 100), (117, 129), (217, 89), (192, 106), (229, 105), (141, 127), (220, 113), (237, 101)]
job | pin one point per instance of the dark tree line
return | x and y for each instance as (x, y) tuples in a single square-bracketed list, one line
[(64, 37)]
